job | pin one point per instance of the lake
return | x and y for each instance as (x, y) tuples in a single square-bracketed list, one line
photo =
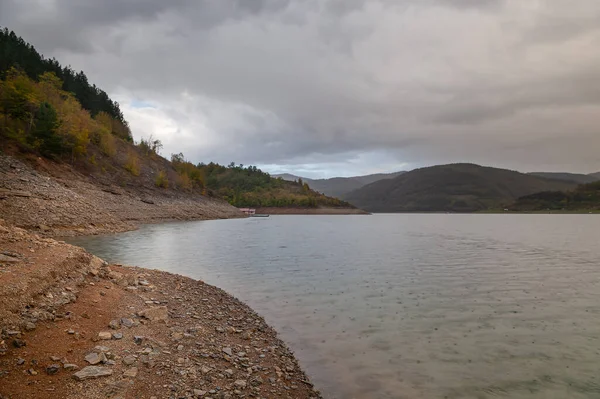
[(406, 305)]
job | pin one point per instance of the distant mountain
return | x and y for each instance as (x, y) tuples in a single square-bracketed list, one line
[(340, 186), (451, 188), (574, 177), (596, 175)]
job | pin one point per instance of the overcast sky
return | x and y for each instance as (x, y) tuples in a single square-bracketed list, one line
[(341, 87)]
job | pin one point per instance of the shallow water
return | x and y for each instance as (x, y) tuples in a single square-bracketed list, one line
[(406, 306)]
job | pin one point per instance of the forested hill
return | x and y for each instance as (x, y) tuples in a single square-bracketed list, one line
[(50, 111), (17, 53), (249, 186), (451, 188)]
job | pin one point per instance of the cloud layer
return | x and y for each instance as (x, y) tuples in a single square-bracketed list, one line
[(341, 86)]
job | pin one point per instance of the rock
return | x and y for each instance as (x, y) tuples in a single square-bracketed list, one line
[(132, 372), (138, 339), (104, 335), (92, 372), (126, 322), (8, 259), (30, 326), (117, 335), (52, 369), (70, 366), (114, 324), (54, 358), (158, 313), (129, 360), (95, 358), (101, 348), (240, 384), (256, 381), (228, 372), (228, 351), (20, 361), (199, 393), (19, 343)]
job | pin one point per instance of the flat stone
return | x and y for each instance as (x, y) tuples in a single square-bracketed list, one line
[(228, 351), (132, 372), (199, 393), (117, 335), (129, 360), (126, 322), (157, 313), (114, 324), (19, 343), (95, 358), (30, 326), (70, 366), (104, 335), (138, 339), (92, 372), (8, 259)]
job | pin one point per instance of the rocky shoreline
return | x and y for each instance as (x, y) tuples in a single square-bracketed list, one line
[(56, 200), (73, 326)]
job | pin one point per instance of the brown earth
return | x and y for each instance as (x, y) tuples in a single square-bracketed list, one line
[(193, 339), (57, 199)]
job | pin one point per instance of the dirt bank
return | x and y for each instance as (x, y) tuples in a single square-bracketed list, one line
[(55, 199), (311, 211), (73, 327)]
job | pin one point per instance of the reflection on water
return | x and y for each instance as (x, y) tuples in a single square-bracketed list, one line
[(406, 306)]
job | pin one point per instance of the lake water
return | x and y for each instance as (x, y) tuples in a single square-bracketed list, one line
[(406, 306)]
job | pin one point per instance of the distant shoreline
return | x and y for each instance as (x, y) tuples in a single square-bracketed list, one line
[(311, 211)]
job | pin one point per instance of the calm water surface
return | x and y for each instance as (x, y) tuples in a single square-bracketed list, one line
[(406, 306)]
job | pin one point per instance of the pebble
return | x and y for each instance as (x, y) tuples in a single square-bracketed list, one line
[(19, 343), (52, 369), (127, 322), (104, 335), (70, 366), (129, 360), (117, 335), (228, 351), (20, 361), (138, 339), (240, 384), (132, 372), (114, 324)]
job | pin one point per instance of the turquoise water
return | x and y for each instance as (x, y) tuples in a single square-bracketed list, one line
[(406, 306)]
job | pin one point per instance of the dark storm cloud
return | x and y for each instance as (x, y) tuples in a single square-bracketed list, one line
[(340, 82)]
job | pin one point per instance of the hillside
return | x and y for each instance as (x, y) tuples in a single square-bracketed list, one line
[(340, 186), (251, 187), (53, 114), (451, 188), (574, 177), (585, 197)]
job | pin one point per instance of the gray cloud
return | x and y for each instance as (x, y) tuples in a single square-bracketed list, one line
[(336, 85)]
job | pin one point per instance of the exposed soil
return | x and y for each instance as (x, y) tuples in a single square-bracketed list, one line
[(167, 336), (57, 200)]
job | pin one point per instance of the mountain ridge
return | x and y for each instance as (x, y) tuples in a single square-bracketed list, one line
[(461, 187)]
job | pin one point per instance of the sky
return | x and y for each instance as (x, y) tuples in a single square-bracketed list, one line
[(325, 88)]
